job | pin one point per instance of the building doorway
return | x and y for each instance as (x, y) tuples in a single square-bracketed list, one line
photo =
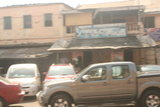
[(128, 55), (87, 58)]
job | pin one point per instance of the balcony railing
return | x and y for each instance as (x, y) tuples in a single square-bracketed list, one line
[(134, 28)]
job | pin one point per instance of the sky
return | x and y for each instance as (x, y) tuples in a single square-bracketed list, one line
[(72, 3)]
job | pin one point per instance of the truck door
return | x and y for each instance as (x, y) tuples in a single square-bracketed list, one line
[(122, 82), (94, 89)]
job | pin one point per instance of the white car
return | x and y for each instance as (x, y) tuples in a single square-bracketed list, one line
[(27, 75)]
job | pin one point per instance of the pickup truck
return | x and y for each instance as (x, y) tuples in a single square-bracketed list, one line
[(113, 82)]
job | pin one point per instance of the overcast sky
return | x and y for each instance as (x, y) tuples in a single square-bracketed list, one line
[(73, 3)]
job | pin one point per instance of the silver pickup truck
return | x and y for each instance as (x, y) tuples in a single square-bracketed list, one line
[(114, 82)]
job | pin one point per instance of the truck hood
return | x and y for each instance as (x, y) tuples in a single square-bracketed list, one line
[(59, 82)]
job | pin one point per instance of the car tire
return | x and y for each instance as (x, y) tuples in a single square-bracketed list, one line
[(61, 100), (3, 103), (151, 99)]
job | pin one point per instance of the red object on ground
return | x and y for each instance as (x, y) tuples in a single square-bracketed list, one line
[(10, 93)]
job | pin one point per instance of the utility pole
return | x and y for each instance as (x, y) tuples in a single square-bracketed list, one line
[(139, 17)]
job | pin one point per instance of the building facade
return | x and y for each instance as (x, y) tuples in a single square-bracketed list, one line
[(88, 34), (133, 13), (27, 31), (102, 34), (39, 23)]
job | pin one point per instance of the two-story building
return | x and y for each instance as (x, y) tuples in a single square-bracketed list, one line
[(107, 32), (102, 33), (27, 31), (151, 21)]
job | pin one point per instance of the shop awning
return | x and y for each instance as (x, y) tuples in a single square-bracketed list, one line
[(24, 52), (97, 43)]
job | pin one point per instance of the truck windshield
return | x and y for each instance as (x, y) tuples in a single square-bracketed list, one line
[(21, 73)]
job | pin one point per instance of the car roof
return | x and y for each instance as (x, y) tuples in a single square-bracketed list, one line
[(24, 65), (112, 63), (149, 65), (61, 65)]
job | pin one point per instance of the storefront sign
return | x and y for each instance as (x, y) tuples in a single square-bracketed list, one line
[(100, 31)]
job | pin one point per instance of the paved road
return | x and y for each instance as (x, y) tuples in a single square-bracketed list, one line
[(32, 102), (27, 102)]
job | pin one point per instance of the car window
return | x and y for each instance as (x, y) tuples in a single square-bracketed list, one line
[(61, 70), (21, 73), (98, 73), (120, 71)]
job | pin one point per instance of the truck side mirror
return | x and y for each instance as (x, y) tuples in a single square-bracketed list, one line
[(85, 78)]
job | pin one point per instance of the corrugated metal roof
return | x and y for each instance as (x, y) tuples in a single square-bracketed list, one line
[(122, 8), (107, 4), (99, 43), (36, 4), (24, 52), (105, 9)]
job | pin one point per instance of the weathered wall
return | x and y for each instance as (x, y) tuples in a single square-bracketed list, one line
[(136, 56), (38, 33), (78, 19), (157, 55), (101, 56), (150, 56), (157, 21)]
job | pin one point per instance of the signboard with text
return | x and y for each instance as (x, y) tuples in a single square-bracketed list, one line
[(100, 31)]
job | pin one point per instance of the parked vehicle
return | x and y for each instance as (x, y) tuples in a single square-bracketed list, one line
[(9, 93), (60, 71), (114, 82), (27, 75)]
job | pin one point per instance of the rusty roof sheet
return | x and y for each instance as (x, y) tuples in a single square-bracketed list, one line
[(97, 43), (24, 52)]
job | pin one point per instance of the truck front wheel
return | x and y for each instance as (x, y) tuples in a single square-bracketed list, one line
[(61, 100), (151, 99)]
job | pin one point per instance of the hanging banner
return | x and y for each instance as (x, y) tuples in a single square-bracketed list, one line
[(154, 33), (100, 31)]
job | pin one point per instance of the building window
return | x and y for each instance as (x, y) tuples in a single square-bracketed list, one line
[(48, 20), (149, 22), (7, 22), (70, 29), (27, 21)]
